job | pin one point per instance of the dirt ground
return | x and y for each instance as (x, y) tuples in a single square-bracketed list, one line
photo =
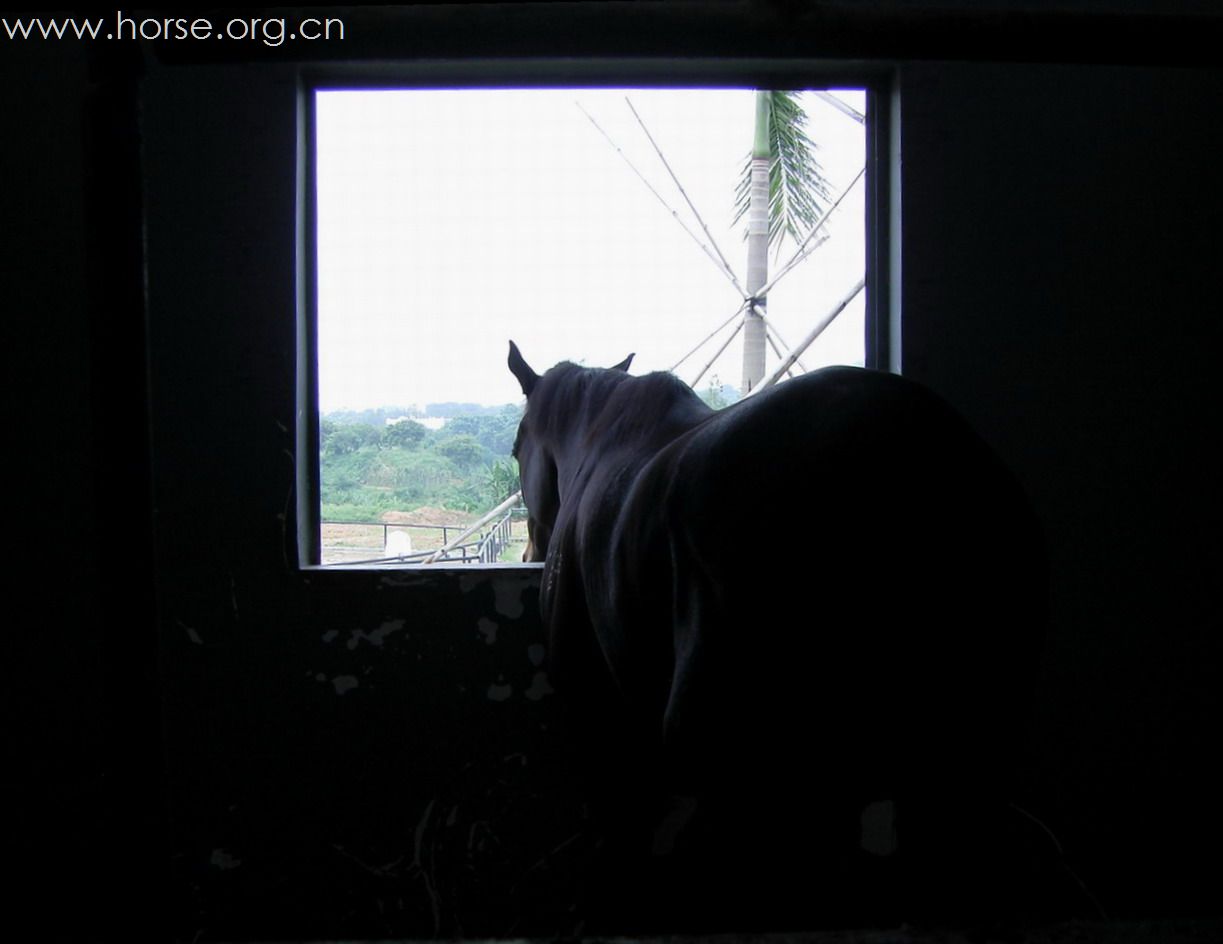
[(351, 543), (429, 516)]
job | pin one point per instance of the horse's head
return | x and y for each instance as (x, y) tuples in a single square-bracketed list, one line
[(536, 448)]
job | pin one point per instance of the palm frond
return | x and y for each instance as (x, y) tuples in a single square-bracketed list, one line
[(798, 190)]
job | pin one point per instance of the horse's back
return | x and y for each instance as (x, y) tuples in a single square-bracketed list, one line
[(877, 439), (854, 578)]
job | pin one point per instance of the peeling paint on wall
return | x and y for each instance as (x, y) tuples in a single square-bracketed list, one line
[(487, 628), (224, 860), (879, 828), (507, 591), (376, 637), (539, 687), (508, 600)]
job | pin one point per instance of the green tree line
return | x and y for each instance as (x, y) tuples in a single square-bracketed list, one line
[(368, 468)]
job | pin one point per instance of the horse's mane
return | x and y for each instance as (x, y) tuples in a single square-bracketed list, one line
[(569, 394)]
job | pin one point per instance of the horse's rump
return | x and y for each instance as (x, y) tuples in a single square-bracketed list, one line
[(851, 578)]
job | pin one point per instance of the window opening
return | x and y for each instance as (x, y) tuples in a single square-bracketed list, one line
[(584, 224)]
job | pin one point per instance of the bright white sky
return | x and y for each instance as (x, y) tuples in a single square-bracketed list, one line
[(453, 221)]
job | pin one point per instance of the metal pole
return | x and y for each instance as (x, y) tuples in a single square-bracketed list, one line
[(709, 337), (725, 345), (500, 509), (774, 333), (842, 107), (815, 333), (768, 336), (684, 193), (803, 249)]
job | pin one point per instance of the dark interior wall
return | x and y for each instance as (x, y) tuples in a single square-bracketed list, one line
[(57, 741), (1057, 286), (346, 753), (83, 747), (1059, 243)]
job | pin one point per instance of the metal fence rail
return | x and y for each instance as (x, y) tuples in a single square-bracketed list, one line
[(386, 527), (481, 542), (496, 540)]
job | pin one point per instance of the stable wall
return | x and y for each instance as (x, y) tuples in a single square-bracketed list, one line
[(1060, 237)]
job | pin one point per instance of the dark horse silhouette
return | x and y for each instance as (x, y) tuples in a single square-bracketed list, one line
[(813, 615)]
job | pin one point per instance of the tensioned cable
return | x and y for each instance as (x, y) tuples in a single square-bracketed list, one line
[(768, 336), (709, 336), (684, 193), (712, 258), (770, 333), (725, 345), (803, 249)]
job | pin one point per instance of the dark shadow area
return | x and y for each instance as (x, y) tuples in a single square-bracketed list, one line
[(763, 756)]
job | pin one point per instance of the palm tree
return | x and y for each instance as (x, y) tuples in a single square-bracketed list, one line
[(780, 192)]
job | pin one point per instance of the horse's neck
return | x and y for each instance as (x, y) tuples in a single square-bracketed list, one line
[(631, 428)]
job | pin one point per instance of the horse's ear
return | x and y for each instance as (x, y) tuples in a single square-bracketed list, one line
[(623, 365), (527, 378)]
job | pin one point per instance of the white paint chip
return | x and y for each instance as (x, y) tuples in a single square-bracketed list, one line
[(508, 597)]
